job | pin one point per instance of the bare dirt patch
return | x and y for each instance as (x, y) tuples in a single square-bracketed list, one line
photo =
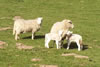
[(5, 28), (48, 65), (80, 56), (5, 18), (76, 55), (22, 46), (35, 59), (3, 44)]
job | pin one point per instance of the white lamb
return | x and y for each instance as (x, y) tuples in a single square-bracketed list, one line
[(74, 38), (23, 26), (55, 37)]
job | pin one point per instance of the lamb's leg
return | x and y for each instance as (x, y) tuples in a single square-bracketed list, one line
[(79, 47), (68, 45), (57, 44), (60, 44)]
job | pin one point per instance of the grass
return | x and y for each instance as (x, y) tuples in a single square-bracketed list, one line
[(85, 15)]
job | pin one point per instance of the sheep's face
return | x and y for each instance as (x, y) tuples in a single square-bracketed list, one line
[(68, 23), (39, 20)]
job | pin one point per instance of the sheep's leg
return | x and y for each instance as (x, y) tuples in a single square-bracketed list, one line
[(79, 47), (68, 45), (46, 43), (14, 31), (32, 36), (16, 37)]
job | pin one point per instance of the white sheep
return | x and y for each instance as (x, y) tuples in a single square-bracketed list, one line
[(64, 25), (74, 38), (23, 26), (55, 37)]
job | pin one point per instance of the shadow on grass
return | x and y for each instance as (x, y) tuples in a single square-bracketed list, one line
[(36, 37), (74, 46)]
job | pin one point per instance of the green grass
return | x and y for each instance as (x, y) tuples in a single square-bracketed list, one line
[(85, 15)]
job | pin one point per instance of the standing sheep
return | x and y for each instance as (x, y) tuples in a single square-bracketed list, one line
[(23, 26), (55, 37), (74, 38)]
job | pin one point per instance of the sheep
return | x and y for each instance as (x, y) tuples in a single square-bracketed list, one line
[(64, 25), (74, 38), (23, 26), (55, 37)]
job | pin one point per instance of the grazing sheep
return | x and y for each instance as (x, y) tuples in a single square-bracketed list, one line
[(74, 38), (64, 25), (55, 37), (23, 26)]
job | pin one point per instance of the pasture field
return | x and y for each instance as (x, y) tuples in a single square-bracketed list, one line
[(85, 15)]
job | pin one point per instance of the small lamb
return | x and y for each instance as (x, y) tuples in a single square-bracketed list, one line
[(55, 37), (74, 38), (23, 26)]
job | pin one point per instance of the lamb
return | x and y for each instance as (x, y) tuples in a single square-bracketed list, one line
[(64, 25), (23, 26), (55, 37), (74, 38)]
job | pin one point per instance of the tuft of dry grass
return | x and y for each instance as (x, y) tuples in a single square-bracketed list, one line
[(76, 55)]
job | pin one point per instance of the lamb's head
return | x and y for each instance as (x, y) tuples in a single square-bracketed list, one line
[(69, 34), (68, 23), (39, 20)]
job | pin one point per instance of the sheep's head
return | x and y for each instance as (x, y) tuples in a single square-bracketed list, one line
[(39, 20), (68, 23)]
